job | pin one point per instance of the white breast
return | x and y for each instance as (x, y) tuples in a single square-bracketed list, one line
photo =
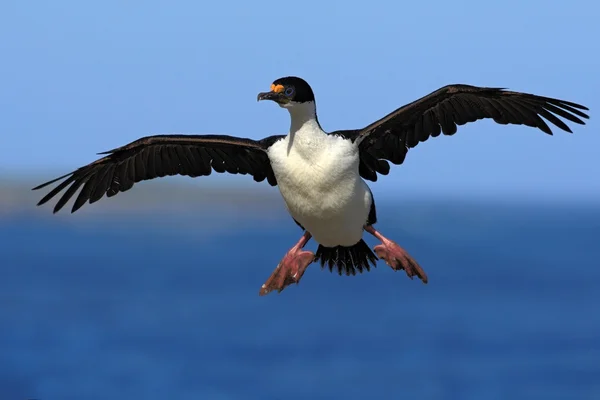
[(317, 175)]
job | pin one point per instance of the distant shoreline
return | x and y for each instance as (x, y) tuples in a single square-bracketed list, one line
[(246, 199)]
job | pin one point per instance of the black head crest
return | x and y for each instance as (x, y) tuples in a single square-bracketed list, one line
[(302, 92)]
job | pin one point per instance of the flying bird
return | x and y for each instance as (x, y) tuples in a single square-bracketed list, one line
[(320, 175)]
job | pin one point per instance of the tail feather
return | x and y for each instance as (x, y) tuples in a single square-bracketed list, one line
[(347, 259)]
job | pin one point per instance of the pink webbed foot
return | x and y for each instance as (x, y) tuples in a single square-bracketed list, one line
[(396, 257), (290, 269)]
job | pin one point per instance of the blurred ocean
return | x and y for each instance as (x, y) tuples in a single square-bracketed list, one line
[(168, 308)]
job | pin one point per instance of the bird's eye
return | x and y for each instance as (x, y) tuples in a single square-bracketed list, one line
[(289, 91)]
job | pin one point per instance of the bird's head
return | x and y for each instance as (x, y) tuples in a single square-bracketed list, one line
[(289, 92)]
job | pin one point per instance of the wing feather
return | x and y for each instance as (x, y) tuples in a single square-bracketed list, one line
[(444, 110), (159, 156)]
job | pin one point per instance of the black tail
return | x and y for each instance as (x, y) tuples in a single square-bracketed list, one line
[(348, 259)]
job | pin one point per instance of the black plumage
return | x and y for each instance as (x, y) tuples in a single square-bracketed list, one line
[(384, 141), (388, 139), (163, 155), (347, 259)]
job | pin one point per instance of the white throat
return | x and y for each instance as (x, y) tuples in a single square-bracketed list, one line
[(303, 117)]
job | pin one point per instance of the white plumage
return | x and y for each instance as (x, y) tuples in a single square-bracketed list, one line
[(318, 177)]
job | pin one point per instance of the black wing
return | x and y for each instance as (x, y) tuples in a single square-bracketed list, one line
[(441, 111), (162, 155)]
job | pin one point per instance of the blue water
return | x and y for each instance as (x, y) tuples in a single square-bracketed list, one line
[(100, 309)]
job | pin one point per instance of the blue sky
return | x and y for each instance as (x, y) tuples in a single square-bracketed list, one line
[(82, 77)]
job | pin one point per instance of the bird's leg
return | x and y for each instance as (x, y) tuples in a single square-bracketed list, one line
[(395, 256), (290, 268)]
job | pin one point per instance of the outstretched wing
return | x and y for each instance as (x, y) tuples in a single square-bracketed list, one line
[(162, 155), (389, 138)]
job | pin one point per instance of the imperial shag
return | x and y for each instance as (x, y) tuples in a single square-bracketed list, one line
[(321, 175)]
